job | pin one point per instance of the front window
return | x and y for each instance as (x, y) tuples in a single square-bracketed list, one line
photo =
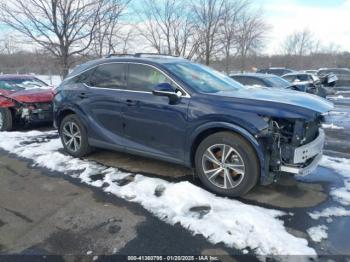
[(202, 78), (21, 83), (145, 78)]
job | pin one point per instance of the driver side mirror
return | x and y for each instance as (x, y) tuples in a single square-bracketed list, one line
[(165, 89)]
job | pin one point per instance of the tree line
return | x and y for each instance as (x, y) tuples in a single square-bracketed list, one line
[(208, 31)]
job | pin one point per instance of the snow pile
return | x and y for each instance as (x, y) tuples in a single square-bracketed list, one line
[(341, 166), (342, 195), (318, 233), (330, 212), (218, 219), (332, 126), (336, 97)]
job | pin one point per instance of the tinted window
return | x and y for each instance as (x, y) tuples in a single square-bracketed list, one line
[(303, 77), (145, 78), (82, 78), (240, 79), (289, 78), (109, 76), (251, 81)]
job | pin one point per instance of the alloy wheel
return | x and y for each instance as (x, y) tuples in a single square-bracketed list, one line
[(223, 166), (71, 136)]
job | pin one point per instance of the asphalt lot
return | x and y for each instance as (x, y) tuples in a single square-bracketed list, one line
[(44, 212)]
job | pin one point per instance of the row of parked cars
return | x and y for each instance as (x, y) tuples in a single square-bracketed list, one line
[(174, 110), (319, 82)]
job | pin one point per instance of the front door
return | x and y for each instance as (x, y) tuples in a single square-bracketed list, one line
[(152, 124)]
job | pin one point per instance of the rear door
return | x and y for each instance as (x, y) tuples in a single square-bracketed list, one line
[(152, 124), (104, 103)]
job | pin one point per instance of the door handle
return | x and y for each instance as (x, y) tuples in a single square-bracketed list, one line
[(83, 95), (130, 102)]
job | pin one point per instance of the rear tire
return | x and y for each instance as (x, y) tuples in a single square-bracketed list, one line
[(227, 164), (74, 136), (6, 120)]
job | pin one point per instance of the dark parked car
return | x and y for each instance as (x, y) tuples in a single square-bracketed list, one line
[(310, 83), (342, 75), (174, 110), (267, 80), (24, 100), (278, 71), (261, 80)]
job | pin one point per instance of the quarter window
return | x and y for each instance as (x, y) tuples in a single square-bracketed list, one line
[(82, 78), (145, 78), (109, 76)]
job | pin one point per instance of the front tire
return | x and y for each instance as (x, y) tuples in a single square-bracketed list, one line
[(74, 136), (227, 164), (6, 120)]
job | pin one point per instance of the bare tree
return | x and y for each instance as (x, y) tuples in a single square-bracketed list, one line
[(251, 34), (65, 28), (8, 44), (230, 28), (300, 43), (108, 32), (167, 26), (208, 16)]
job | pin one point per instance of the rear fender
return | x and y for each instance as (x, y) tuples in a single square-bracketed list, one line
[(59, 114)]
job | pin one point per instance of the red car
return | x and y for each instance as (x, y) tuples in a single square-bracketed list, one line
[(24, 99)]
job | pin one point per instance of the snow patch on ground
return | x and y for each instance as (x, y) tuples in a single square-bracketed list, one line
[(318, 233), (218, 219), (342, 195), (330, 212), (332, 126), (342, 167), (335, 97)]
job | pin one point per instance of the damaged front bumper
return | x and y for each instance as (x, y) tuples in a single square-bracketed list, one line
[(35, 113), (306, 157)]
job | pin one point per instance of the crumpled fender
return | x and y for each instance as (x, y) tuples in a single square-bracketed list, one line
[(7, 101)]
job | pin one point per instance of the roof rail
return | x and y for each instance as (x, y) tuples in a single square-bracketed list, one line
[(118, 54), (153, 54)]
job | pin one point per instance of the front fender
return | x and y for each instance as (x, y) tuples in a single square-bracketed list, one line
[(259, 149)]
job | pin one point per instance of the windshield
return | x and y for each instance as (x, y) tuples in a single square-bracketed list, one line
[(278, 82), (202, 78), (21, 83)]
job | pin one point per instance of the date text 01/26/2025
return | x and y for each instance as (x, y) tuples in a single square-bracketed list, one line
[(173, 258)]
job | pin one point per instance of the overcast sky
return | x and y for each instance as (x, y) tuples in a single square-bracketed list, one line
[(329, 20)]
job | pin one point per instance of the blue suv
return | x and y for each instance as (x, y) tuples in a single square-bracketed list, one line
[(174, 110)]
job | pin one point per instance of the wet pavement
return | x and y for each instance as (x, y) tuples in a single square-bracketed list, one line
[(44, 212)]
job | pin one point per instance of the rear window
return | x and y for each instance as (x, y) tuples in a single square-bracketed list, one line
[(109, 76)]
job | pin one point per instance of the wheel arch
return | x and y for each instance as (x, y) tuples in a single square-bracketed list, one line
[(204, 131), (62, 114)]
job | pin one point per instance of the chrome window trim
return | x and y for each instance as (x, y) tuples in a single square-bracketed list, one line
[(187, 95)]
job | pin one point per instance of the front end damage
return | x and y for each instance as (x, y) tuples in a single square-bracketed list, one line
[(27, 113), (34, 113), (293, 145)]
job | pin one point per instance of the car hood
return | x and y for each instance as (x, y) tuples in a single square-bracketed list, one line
[(31, 95), (285, 100)]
